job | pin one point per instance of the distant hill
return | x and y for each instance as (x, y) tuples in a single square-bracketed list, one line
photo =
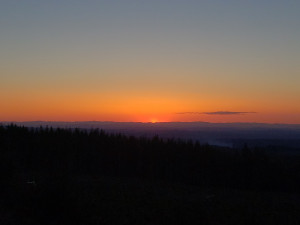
[(222, 134)]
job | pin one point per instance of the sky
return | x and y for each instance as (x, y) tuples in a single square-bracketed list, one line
[(150, 61)]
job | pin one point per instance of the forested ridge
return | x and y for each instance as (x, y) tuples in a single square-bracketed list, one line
[(43, 169)]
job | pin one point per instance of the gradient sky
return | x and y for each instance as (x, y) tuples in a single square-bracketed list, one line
[(142, 60)]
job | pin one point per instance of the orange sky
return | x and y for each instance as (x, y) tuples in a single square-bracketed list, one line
[(150, 61), (39, 105)]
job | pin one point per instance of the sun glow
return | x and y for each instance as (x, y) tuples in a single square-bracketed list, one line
[(153, 120)]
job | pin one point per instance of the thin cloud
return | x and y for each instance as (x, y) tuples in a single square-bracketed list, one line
[(222, 113), (226, 113)]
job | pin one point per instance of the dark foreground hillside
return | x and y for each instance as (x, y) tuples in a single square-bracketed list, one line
[(77, 177)]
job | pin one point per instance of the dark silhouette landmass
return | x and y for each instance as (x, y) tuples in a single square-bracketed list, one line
[(282, 137), (79, 176)]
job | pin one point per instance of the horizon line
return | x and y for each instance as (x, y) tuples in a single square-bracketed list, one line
[(159, 122)]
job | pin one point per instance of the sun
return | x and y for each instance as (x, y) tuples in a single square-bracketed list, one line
[(153, 120)]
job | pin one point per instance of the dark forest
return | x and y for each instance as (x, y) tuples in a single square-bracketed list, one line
[(77, 176)]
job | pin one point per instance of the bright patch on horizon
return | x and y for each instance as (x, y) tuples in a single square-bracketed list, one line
[(154, 121)]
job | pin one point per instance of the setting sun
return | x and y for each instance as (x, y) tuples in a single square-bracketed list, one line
[(153, 120)]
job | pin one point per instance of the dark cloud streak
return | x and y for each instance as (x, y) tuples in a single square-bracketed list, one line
[(222, 113)]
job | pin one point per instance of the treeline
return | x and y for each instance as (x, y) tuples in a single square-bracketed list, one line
[(47, 155)]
